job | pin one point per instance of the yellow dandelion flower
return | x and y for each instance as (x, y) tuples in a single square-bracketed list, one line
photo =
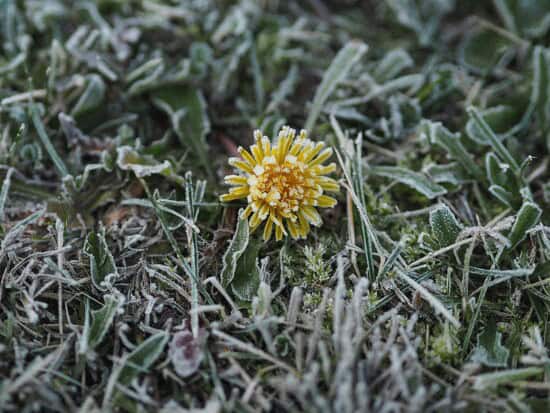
[(283, 183)]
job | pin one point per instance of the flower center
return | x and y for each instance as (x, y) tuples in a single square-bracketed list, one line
[(283, 187)]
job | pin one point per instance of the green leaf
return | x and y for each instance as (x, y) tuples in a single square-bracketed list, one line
[(451, 173), (139, 361), (102, 319), (504, 196), (391, 65), (414, 180), (444, 224), (489, 350), (240, 270), (495, 170), (142, 357), (542, 269), (504, 184), (501, 119), (186, 108), (45, 139), (423, 17), (527, 217), (540, 96), (102, 263), (247, 274), (489, 136), (439, 135), (484, 49), (337, 71), (145, 77), (506, 120), (129, 159), (235, 250), (529, 18), (92, 97), (201, 56)]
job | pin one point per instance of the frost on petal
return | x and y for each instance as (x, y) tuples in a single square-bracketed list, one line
[(284, 181)]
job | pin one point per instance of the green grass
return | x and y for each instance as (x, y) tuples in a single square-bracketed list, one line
[(125, 285)]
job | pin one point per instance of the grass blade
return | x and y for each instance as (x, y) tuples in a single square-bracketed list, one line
[(492, 139), (413, 180), (44, 138), (337, 71)]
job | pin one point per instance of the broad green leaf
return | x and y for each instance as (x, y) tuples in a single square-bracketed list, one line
[(129, 159), (337, 71), (501, 119), (102, 319), (489, 350), (533, 16), (414, 180), (102, 263), (451, 173), (139, 361), (484, 49), (444, 224), (247, 274), (502, 195), (240, 269), (186, 108), (92, 97), (529, 18), (514, 116), (439, 135), (236, 248), (142, 357), (527, 217)]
